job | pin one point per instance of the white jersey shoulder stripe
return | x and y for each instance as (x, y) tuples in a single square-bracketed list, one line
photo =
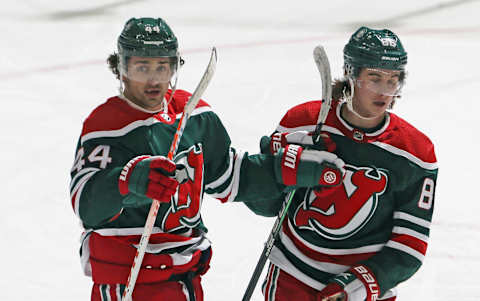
[(405, 154), (136, 124), (387, 147), (120, 132), (392, 149), (331, 129), (196, 111)]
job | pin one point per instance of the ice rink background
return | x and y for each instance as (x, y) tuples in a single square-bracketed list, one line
[(53, 73)]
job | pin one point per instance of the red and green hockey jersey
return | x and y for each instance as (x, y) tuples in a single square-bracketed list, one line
[(380, 216), (118, 131)]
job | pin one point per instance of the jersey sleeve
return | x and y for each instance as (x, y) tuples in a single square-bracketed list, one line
[(94, 193), (299, 118), (233, 175), (404, 252)]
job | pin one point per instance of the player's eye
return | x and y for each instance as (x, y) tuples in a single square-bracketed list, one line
[(142, 69), (392, 83)]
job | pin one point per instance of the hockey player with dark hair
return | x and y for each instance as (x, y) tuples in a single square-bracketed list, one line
[(121, 165), (359, 240)]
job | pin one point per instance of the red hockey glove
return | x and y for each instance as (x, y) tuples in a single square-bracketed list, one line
[(147, 177), (295, 166), (280, 140), (358, 283)]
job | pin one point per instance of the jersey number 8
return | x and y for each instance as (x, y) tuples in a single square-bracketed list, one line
[(426, 197)]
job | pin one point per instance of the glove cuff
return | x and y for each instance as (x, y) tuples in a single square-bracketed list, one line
[(277, 142), (127, 172), (286, 166), (366, 276)]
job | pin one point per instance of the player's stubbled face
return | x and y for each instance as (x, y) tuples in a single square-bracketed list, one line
[(146, 81)]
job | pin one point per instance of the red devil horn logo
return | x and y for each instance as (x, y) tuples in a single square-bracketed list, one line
[(342, 211)]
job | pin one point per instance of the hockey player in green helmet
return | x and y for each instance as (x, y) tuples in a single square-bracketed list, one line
[(359, 240), (147, 61), (121, 165), (374, 66)]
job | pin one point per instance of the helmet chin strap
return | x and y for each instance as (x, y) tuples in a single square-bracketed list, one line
[(177, 72), (121, 88), (174, 88), (349, 99)]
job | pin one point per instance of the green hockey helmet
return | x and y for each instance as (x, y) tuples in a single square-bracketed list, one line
[(148, 37), (370, 48)]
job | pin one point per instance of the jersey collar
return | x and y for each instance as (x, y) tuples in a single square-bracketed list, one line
[(164, 108), (360, 134)]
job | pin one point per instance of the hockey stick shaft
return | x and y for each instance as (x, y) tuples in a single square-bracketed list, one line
[(268, 247), (323, 65), (152, 214)]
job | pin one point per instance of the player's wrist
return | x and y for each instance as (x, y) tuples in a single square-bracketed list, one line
[(359, 283), (299, 167), (369, 281), (125, 179), (287, 163)]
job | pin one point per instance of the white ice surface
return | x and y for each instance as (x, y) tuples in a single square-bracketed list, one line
[(53, 73)]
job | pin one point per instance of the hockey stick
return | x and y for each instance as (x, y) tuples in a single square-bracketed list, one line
[(321, 60), (152, 214), (323, 65)]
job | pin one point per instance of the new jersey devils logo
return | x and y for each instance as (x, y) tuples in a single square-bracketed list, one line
[(345, 210), (185, 205)]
